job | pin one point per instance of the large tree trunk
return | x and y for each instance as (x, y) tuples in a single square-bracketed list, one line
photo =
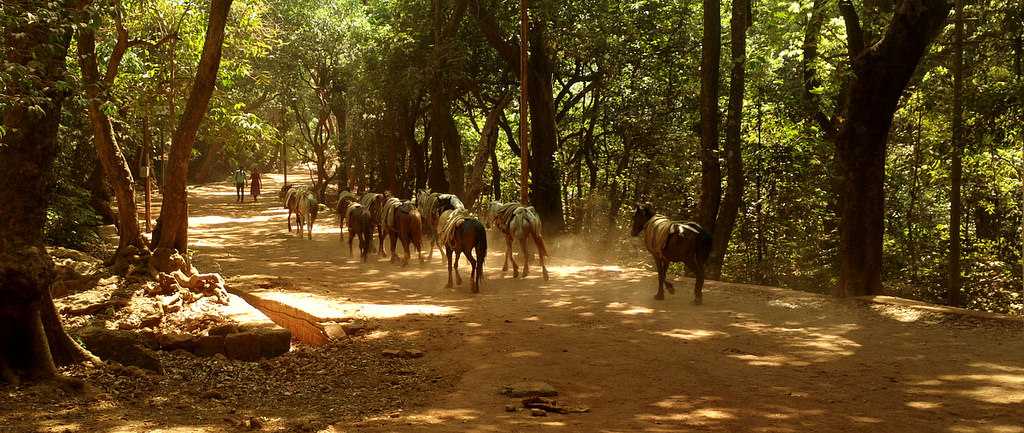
[(711, 171), (99, 194), (114, 164), (172, 227), (733, 140), (210, 159), (880, 74), (488, 140), (32, 340), (956, 172), (545, 180)]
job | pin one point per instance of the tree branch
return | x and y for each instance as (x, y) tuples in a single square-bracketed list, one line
[(854, 32)]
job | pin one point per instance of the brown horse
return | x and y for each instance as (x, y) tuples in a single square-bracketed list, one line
[(518, 223), (408, 227), (673, 241), (345, 198), (359, 224), (374, 203), (462, 234), (289, 199)]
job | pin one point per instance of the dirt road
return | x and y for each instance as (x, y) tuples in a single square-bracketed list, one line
[(750, 359)]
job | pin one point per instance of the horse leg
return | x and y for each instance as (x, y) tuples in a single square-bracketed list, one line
[(472, 273), (350, 237), (289, 220), (524, 247), (543, 267), (458, 278), (394, 242), (508, 253), (405, 245), (668, 284), (448, 254), (698, 286), (662, 266), (380, 235)]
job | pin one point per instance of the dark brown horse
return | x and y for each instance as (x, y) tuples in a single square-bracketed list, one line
[(408, 228), (462, 234), (345, 198), (360, 224), (673, 241)]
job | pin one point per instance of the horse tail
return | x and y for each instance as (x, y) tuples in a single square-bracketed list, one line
[(416, 226)]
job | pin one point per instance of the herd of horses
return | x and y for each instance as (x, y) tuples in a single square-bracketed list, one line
[(456, 231)]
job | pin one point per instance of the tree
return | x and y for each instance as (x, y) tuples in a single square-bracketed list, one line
[(955, 178), (36, 39), (109, 153), (739, 22), (172, 227), (545, 181), (880, 73), (711, 170)]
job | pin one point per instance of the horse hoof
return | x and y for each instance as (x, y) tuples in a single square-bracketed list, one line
[(545, 276), (659, 297), (698, 301)]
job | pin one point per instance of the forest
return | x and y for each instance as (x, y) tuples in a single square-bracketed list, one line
[(826, 152)]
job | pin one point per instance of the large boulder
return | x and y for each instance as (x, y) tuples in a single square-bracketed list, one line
[(126, 348), (257, 344)]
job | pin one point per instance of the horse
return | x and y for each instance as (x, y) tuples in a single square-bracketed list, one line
[(387, 224), (374, 203), (302, 201), (283, 195), (345, 198), (460, 233), (518, 223), (359, 224), (431, 206), (673, 241), (407, 229), (289, 199)]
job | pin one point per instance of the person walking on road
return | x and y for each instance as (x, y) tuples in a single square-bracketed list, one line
[(239, 185), (256, 184)]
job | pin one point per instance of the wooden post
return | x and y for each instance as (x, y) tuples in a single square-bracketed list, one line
[(524, 119), (147, 158)]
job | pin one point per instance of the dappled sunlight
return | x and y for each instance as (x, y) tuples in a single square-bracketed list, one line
[(983, 382), (803, 345), (629, 310), (690, 411), (692, 334), (441, 416), (329, 309)]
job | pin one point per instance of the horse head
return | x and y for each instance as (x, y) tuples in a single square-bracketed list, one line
[(642, 213)]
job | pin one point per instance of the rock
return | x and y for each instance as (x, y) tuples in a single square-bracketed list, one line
[(538, 412), (545, 404), (224, 329), (212, 394), (577, 409), (168, 260), (274, 341), (176, 341), (125, 348), (150, 313), (529, 389), (402, 353), (335, 331), (257, 344), (354, 328), (209, 345)]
